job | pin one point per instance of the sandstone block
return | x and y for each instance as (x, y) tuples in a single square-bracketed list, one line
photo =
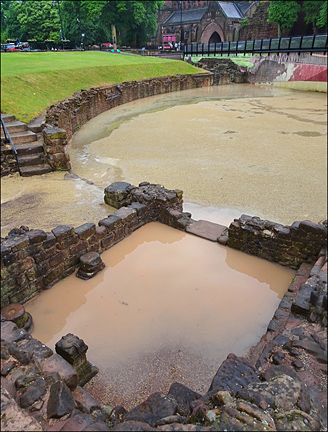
[(60, 401), (67, 373)]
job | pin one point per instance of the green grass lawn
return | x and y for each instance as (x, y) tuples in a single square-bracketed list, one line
[(31, 82)]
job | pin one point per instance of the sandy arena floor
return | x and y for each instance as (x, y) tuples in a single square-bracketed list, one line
[(239, 149)]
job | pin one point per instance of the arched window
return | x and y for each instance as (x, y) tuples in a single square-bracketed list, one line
[(215, 38)]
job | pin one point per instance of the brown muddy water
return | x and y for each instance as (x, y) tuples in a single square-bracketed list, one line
[(169, 306)]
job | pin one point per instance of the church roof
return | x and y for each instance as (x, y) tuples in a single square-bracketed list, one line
[(230, 10), (244, 6), (185, 16)]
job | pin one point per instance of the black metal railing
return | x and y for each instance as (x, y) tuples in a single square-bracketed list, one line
[(310, 44), (8, 139)]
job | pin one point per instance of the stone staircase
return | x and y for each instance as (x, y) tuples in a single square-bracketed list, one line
[(29, 146)]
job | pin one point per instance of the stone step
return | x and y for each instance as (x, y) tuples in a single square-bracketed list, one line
[(29, 148), (15, 127), (35, 170), (26, 160), (8, 118), (23, 137)]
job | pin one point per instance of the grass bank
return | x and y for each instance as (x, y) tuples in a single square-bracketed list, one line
[(31, 82)]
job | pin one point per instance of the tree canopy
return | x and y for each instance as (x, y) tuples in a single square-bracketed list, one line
[(135, 21), (313, 13), (285, 13)]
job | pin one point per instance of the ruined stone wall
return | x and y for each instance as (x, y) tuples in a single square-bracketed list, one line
[(32, 260), (8, 160), (285, 245), (66, 117), (225, 71)]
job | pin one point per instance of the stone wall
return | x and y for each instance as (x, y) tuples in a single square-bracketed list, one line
[(32, 260), (258, 26), (8, 160), (285, 245), (69, 115), (225, 71)]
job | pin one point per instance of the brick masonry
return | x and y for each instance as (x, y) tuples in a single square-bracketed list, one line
[(64, 118)]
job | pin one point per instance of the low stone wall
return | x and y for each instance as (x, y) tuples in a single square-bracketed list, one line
[(66, 117), (8, 160), (32, 260), (285, 245), (224, 70)]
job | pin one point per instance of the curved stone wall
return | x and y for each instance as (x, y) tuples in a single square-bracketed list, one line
[(64, 118)]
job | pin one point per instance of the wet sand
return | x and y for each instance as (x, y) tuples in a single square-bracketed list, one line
[(236, 149), (148, 325)]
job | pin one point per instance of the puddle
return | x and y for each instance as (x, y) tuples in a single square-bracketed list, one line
[(168, 307)]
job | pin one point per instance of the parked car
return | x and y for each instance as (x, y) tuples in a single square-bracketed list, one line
[(24, 46), (106, 46), (10, 47)]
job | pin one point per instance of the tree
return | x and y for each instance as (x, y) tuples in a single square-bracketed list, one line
[(312, 12), (38, 19), (322, 20), (10, 27), (284, 13), (135, 21)]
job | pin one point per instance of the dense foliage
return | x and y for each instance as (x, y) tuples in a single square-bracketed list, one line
[(135, 21), (285, 13)]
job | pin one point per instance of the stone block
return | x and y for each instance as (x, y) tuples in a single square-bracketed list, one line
[(233, 374), (77, 249), (67, 242), (50, 241), (107, 241), (56, 259), (110, 222), (67, 373), (51, 133), (36, 236), (10, 332), (125, 214), (118, 194), (140, 208), (45, 254), (26, 292), (20, 243), (208, 230), (53, 275), (313, 228), (62, 232), (60, 400), (85, 231), (302, 303), (32, 249)]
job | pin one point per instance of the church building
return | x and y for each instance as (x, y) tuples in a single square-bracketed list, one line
[(202, 21)]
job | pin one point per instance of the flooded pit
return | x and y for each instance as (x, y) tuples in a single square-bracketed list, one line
[(168, 307)]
